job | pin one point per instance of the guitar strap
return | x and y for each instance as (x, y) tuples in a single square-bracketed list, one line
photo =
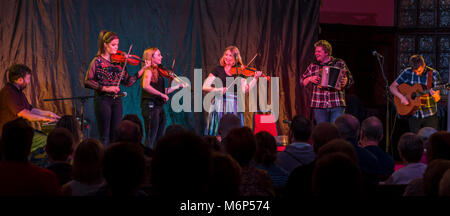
[(429, 80)]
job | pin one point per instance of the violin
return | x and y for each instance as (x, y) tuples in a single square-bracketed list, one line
[(246, 71), (168, 73), (121, 56)]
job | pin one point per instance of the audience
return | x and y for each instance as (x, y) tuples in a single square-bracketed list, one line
[(298, 152), (18, 177), (444, 184), (433, 175), (240, 143), (371, 134), (228, 122), (226, 176), (410, 148), (71, 123), (59, 147), (134, 118), (265, 157), (87, 177)]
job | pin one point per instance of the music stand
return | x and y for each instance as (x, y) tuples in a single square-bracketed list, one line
[(82, 99)]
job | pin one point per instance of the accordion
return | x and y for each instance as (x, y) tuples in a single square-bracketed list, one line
[(331, 77)]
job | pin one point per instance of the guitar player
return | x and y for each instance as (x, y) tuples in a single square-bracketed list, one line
[(428, 77)]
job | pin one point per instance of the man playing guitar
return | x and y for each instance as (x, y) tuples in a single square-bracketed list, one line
[(419, 73)]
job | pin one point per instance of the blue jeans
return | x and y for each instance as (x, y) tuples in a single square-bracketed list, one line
[(328, 114), (154, 120)]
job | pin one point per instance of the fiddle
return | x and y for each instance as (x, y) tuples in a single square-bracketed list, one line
[(168, 73), (246, 71), (120, 57)]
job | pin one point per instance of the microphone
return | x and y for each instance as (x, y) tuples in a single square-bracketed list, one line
[(287, 122), (375, 53)]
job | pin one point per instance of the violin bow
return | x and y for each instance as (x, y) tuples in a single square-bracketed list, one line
[(123, 68), (257, 54)]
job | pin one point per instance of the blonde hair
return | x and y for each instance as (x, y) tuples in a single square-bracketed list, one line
[(148, 54), (234, 50)]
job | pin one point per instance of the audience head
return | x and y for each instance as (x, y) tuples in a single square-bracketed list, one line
[(410, 147), (59, 144), (71, 123), (348, 127), (128, 131), (240, 143), (87, 161), (181, 165), (433, 175), (266, 148), (426, 132), (226, 176), (336, 175), (323, 133), (124, 168), (227, 123), (174, 129), (338, 145), (17, 136), (300, 129), (438, 146), (134, 118), (371, 129)]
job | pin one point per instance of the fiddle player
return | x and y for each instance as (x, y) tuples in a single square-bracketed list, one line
[(103, 76), (418, 72), (154, 96), (231, 56), (14, 104), (328, 104)]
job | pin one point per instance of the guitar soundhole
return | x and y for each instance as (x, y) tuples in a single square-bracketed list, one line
[(413, 95)]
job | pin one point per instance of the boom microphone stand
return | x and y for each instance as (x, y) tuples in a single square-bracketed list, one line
[(380, 59)]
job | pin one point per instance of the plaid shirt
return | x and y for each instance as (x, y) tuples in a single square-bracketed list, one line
[(323, 97), (428, 106)]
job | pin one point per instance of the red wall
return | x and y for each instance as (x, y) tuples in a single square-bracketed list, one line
[(358, 12)]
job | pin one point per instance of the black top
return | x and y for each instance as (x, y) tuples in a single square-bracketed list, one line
[(12, 101), (160, 86), (219, 73)]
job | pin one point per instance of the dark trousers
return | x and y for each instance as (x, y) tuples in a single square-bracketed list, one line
[(415, 124), (108, 112), (154, 120)]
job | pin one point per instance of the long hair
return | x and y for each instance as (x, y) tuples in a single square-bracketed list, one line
[(105, 37), (148, 54), (234, 51)]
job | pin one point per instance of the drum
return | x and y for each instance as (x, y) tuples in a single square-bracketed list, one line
[(330, 77)]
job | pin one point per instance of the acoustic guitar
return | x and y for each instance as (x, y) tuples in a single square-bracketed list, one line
[(413, 94)]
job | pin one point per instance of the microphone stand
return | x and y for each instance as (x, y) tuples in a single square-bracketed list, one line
[(387, 93), (82, 99)]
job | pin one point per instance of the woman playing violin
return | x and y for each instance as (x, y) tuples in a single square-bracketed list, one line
[(154, 96), (103, 75), (229, 103)]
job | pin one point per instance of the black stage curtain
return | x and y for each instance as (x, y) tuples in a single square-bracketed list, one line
[(58, 39)]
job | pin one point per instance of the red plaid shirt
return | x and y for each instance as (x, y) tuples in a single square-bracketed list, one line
[(323, 97)]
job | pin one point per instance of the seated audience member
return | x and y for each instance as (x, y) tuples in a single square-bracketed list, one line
[(444, 184), (338, 145), (59, 147), (371, 134), (228, 122), (299, 181), (298, 152), (134, 118), (123, 170), (265, 157), (410, 148), (174, 129), (349, 130), (128, 131), (425, 133), (87, 177), (336, 175), (433, 176), (225, 177), (181, 166), (240, 143), (71, 123), (18, 177)]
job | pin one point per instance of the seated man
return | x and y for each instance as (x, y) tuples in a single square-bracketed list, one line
[(13, 102)]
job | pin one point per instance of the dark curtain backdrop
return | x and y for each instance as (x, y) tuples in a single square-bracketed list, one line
[(58, 39)]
